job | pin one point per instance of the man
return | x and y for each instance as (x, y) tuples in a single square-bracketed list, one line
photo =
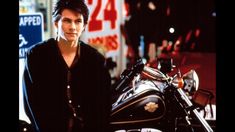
[(66, 83)]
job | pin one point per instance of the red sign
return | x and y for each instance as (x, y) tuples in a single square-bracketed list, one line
[(103, 28)]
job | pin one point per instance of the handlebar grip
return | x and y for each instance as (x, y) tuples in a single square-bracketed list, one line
[(128, 75)]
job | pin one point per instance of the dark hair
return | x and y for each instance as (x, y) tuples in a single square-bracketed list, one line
[(75, 5)]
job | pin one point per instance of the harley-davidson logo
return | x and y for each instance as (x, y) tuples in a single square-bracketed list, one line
[(151, 106)]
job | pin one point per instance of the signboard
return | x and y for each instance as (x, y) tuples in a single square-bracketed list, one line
[(30, 32), (103, 28)]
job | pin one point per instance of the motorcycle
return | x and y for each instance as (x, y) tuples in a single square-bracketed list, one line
[(147, 99)]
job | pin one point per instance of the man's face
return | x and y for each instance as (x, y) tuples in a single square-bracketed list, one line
[(70, 25)]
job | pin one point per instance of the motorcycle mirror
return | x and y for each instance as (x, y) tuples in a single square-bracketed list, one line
[(165, 65)]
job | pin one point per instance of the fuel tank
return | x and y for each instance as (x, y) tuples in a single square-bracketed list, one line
[(143, 102)]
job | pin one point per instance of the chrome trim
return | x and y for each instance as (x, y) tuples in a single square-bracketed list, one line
[(135, 121)]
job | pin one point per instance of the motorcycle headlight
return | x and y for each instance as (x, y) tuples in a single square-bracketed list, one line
[(191, 82)]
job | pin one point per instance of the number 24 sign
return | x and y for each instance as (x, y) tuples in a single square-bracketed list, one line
[(109, 14)]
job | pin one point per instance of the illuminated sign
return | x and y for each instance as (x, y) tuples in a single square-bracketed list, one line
[(103, 28)]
